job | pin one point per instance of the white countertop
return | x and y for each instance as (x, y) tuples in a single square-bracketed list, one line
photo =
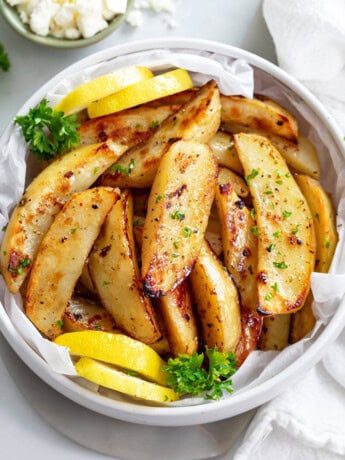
[(24, 429)]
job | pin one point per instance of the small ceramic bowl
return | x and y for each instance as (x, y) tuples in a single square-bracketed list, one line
[(12, 18)]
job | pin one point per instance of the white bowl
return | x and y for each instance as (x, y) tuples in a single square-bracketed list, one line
[(252, 396)]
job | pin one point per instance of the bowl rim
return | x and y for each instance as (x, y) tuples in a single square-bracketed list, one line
[(12, 18), (216, 410)]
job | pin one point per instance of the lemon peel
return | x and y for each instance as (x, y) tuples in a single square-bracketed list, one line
[(109, 377), (148, 90), (100, 87), (117, 349)]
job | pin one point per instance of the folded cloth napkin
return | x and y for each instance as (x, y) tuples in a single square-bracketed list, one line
[(307, 421)]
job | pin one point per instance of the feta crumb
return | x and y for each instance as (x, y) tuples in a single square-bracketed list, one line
[(135, 18), (41, 16)]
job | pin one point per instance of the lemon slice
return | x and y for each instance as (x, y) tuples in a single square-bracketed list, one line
[(117, 349), (109, 377), (100, 87), (153, 88)]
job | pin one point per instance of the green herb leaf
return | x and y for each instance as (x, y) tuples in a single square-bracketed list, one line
[(187, 375), (123, 169), (280, 264), (50, 133), (187, 232), (4, 59), (252, 175), (178, 215)]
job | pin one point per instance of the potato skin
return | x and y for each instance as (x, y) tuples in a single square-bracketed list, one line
[(115, 274), (43, 199), (177, 216), (62, 255), (216, 301), (197, 120)]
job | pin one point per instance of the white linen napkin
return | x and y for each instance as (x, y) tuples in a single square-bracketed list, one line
[(308, 421)]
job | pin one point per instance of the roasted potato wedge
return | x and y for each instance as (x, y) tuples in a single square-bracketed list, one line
[(179, 205), (128, 127), (239, 243), (302, 156), (61, 257), (216, 301), (197, 120), (259, 113), (251, 323), (43, 199), (224, 150), (321, 207), (85, 314), (115, 273), (275, 333), (286, 240), (226, 176), (179, 320), (324, 219)]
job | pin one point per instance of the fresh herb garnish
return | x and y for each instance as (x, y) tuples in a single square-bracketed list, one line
[(123, 169), (177, 215), (4, 59), (251, 176), (49, 133), (187, 375)]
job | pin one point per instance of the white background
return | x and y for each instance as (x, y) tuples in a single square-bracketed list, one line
[(23, 399)]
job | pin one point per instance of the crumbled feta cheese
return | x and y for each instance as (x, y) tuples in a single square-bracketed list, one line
[(68, 18), (135, 18)]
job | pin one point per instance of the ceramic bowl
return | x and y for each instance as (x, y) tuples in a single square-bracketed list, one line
[(312, 115), (10, 14)]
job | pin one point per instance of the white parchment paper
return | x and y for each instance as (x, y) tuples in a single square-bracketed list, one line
[(233, 77)]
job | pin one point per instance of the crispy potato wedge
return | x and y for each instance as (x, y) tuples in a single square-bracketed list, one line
[(85, 314), (179, 320), (226, 176), (61, 257), (323, 212), (128, 127), (115, 273), (198, 120), (259, 113), (239, 243), (251, 323), (224, 150), (301, 156), (324, 219), (275, 333), (174, 99), (43, 199), (85, 279), (216, 301), (286, 240), (178, 209), (303, 321)]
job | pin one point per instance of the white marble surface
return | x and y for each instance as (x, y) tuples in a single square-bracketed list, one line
[(32, 425)]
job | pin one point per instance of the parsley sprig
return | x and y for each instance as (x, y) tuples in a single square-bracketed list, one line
[(50, 133), (4, 59), (187, 375)]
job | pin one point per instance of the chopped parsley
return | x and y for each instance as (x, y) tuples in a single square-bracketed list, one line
[(177, 215), (251, 176), (281, 264), (188, 375), (5, 63), (123, 169), (187, 232)]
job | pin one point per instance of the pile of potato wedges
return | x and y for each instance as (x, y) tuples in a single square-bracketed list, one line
[(195, 219)]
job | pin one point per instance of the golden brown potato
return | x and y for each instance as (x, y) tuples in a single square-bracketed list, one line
[(61, 257), (239, 243), (275, 332), (43, 199), (179, 320), (259, 113), (115, 273), (86, 314), (224, 150), (226, 176), (178, 210), (324, 218), (216, 301), (285, 230), (197, 120), (251, 323), (128, 127)]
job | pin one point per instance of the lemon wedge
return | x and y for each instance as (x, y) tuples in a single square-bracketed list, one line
[(100, 87), (109, 377), (117, 349), (159, 86)]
